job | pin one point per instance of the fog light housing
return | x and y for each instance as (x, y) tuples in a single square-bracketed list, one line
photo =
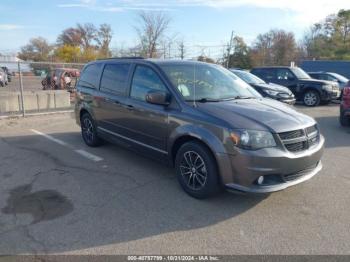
[(260, 180)]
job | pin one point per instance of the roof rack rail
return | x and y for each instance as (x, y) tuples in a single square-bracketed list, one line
[(123, 57)]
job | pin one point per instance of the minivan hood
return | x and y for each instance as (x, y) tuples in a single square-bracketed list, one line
[(257, 114)]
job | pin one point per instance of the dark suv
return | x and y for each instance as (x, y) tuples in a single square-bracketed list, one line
[(273, 91), (306, 89), (213, 127)]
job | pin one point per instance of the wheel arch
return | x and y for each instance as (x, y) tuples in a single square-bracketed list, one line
[(81, 111), (311, 88), (194, 133)]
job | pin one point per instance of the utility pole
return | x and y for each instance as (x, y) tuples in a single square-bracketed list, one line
[(229, 48), (182, 50)]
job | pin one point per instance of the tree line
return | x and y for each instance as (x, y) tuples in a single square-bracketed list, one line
[(328, 39)]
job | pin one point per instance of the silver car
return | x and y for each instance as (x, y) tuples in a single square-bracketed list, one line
[(3, 78)]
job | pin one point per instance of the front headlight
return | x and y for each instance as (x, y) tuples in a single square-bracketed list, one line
[(327, 87), (252, 139), (271, 92)]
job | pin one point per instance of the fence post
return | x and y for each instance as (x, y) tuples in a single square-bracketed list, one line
[(21, 88)]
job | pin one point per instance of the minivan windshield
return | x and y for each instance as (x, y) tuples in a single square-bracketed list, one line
[(248, 77), (205, 82), (300, 73)]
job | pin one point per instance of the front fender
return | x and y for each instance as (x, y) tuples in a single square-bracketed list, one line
[(211, 140)]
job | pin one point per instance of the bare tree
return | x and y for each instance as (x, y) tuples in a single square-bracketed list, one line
[(151, 30), (88, 34), (182, 51), (70, 36), (104, 38), (276, 47), (38, 49)]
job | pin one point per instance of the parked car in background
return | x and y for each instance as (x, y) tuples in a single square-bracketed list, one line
[(60, 79), (329, 76), (3, 78), (345, 106), (311, 91), (8, 73), (212, 126), (270, 90)]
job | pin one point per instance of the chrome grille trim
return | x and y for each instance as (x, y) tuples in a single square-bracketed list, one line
[(300, 140)]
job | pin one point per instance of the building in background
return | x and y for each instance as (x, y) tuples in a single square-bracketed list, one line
[(340, 67), (10, 60)]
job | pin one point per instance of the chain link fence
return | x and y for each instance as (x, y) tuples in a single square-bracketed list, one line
[(28, 88)]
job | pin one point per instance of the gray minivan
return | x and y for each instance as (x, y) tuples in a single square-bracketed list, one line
[(215, 129)]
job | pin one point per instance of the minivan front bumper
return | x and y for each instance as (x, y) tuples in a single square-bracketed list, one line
[(280, 169)]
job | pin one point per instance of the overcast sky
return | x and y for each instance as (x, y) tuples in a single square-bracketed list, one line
[(207, 22)]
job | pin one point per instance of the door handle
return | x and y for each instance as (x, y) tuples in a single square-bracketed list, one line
[(112, 100)]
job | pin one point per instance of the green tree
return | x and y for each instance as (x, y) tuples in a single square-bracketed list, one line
[(68, 53), (241, 54), (330, 38)]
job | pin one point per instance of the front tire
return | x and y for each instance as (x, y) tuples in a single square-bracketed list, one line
[(197, 171), (311, 98), (89, 131)]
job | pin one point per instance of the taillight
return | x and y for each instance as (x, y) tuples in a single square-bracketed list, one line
[(346, 91)]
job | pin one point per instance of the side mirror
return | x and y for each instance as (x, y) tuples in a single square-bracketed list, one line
[(158, 97), (291, 78)]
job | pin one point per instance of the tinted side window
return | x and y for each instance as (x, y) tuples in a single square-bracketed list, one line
[(330, 78), (284, 74), (266, 74), (316, 76), (114, 78), (90, 76), (145, 80)]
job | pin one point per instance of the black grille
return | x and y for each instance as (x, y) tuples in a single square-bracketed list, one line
[(291, 134), (299, 174), (297, 147)]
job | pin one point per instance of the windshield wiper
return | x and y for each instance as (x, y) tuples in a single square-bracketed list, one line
[(204, 100), (239, 97)]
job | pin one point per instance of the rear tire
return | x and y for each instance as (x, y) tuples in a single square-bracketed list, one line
[(344, 120), (89, 131), (197, 171), (311, 98)]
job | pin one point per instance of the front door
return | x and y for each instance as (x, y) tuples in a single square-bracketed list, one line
[(286, 78), (147, 123)]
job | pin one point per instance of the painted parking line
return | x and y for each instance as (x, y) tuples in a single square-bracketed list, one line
[(88, 155), (60, 142), (81, 152)]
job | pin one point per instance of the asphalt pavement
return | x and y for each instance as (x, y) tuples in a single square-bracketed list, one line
[(58, 196)]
